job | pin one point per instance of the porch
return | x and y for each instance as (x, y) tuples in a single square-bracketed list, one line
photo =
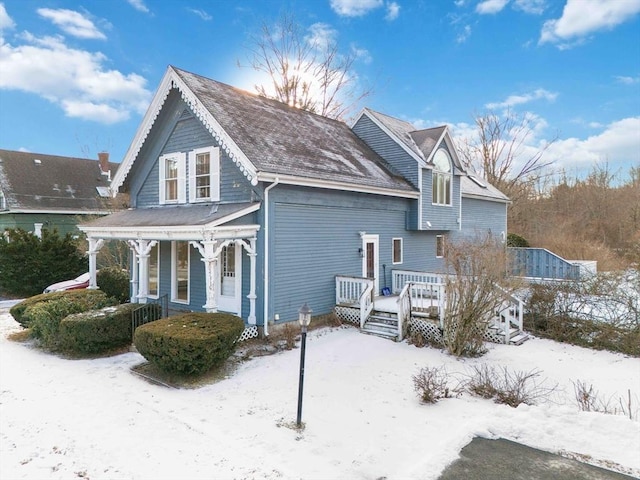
[(416, 302)]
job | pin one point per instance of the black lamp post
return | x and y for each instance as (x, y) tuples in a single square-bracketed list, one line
[(304, 319)]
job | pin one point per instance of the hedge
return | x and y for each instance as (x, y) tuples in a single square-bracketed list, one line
[(97, 331), (91, 299), (44, 317), (114, 281), (190, 343)]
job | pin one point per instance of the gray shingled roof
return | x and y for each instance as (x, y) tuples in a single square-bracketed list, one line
[(480, 188), (427, 139), (279, 139), (401, 129), (35, 181), (168, 216)]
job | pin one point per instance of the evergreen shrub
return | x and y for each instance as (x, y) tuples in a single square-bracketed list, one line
[(44, 317), (515, 240), (97, 331), (82, 296), (190, 343), (28, 264), (114, 282)]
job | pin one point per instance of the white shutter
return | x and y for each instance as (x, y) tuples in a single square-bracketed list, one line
[(192, 176), (182, 177), (161, 180), (214, 170)]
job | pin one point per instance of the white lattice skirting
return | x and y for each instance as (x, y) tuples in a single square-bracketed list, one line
[(249, 333), (429, 330), (348, 314)]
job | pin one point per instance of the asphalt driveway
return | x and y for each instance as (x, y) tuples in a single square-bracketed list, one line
[(484, 459)]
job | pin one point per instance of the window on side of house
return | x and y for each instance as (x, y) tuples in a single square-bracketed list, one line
[(397, 251), (172, 178), (204, 175), (441, 183), (154, 270), (440, 246), (180, 271)]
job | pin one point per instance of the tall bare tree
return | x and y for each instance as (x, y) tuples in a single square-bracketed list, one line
[(305, 68), (501, 153)]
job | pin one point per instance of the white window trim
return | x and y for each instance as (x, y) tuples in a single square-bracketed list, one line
[(174, 274), (443, 246), (157, 295), (393, 242), (214, 174), (435, 175), (182, 172)]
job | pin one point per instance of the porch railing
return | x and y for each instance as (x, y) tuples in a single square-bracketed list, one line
[(541, 263), (355, 292), (153, 310), (404, 310), (509, 313), (401, 277)]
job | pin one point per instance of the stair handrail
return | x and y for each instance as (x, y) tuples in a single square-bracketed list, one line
[(510, 302), (366, 303), (404, 309)]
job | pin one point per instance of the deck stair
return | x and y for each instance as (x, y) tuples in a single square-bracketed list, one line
[(382, 324), (516, 336)]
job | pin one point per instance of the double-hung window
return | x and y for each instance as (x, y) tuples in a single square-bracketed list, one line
[(172, 178), (441, 178), (204, 175), (440, 244)]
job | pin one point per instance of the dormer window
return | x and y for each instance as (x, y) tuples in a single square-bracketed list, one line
[(204, 175), (441, 178), (172, 175)]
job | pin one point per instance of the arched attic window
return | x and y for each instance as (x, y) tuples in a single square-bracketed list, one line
[(441, 178)]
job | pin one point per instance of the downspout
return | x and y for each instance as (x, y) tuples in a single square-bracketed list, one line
[(265, 314)]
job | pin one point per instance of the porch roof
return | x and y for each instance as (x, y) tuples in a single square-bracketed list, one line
[(172, 221)]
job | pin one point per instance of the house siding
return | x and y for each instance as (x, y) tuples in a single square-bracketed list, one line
[(481, 217), (387, 148), (441, 217), (316, 236), (184, 135)]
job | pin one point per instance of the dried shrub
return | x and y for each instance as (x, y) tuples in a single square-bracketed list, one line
[(432, 384), (590, 400), (509, 388)]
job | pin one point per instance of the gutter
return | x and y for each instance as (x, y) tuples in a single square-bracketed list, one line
[(265, 314)]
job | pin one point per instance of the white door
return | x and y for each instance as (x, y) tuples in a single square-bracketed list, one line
[(230, 279), (370, 260)]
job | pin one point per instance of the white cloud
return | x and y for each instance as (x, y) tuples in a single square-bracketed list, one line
[(464, 34), (139, 5), (354, 8), (513, 100), (488, 7), (583, 17), (628, 80), (534, 7), (393, 10), (6, 22), (72, 22), (361, 54), (76, 80), (618, 142), (321, 35), (201, 13)]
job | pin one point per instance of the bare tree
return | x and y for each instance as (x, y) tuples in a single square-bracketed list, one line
[(305, 70), (500, 152)]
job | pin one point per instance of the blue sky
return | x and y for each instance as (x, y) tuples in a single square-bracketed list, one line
[(76, 77)]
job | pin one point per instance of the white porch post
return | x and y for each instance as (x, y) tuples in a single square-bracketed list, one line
[(142, 249), (95, 244), (252, 283), (209, 253), (134, 271)]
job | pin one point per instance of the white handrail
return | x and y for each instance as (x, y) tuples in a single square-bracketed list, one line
[(404, 309), (366, 304)]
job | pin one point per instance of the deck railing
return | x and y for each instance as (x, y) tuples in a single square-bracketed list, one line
[(355, 292), (540, 263), (404, 310), (401, 277)]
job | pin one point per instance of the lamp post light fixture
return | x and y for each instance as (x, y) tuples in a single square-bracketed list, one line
[(304, 319)]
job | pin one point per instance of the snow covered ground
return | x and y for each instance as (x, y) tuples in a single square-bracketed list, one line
[(65, 419)]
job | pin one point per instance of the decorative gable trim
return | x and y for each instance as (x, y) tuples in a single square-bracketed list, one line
[(170, 81)]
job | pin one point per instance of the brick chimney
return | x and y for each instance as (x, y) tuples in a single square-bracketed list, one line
[(103, 159)]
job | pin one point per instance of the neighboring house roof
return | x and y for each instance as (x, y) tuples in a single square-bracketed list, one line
[(40, 183), (268, 139)]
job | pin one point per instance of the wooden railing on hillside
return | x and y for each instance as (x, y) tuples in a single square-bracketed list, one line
[(540, 263)]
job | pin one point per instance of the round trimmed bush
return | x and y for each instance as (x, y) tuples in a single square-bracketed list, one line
[(190, 343)]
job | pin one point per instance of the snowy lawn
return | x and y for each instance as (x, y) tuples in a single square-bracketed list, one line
[(64, 419)]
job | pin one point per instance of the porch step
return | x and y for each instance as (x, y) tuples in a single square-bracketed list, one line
[(382, 324), (519, 339)]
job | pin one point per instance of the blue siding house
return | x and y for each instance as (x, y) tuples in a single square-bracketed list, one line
[(243, 204)]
